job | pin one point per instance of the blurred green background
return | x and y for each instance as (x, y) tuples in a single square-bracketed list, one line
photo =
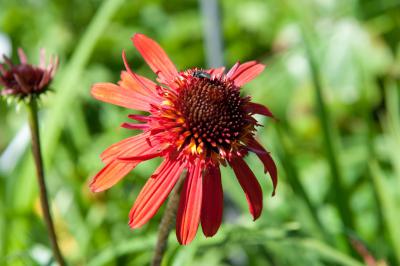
[(332, 79)]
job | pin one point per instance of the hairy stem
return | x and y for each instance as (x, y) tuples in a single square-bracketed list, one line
[(166, 224), (44, 201)]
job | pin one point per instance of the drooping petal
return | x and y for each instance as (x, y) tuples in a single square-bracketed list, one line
[(111, 93), (266, 159), (245, 72), (249, 184), (140, 145), (155, 57), (257, 108), (213, 201), (155, 191), (188, 216), (111, 174), (21, 82)]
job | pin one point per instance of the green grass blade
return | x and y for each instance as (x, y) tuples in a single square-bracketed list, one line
[(388, 206), (341, 196), (112, 252), (295, 182), (328, 252)]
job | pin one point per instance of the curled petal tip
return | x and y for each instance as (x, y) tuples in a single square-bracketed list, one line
[(250, 186), (133, 225), (93, 188), (138, 35)]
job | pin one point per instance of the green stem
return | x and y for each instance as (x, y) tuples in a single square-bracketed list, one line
[(44, 201), (166, 224)]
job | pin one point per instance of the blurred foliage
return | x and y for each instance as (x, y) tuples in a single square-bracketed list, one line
[(348, 50)]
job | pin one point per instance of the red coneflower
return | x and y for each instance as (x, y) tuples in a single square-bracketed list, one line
[(197, 121), (25, 80)]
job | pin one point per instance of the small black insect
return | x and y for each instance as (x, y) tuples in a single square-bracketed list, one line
[(201, 74)]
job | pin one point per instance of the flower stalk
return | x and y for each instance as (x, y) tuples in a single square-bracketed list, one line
[(44, 201), (167, 224)]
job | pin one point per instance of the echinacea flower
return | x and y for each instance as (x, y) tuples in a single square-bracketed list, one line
[(197, 121), (25, 80)]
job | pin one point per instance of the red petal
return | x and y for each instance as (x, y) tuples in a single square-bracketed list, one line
[(111, 174), (133, 146), (266, 159), (2, 71), (136, 77), (233, 69), (140, 118), (249, 184), (155, 57), (188, 217), (22, 56), (141, 157), (155, 191), (135, 126), (111, 93), (257, 108), (115, 170), (245, 72), (216, 72), (140, 85), (42, 59), (213, 201)]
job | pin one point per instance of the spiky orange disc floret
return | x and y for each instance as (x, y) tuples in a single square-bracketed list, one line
[(209, 116)]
